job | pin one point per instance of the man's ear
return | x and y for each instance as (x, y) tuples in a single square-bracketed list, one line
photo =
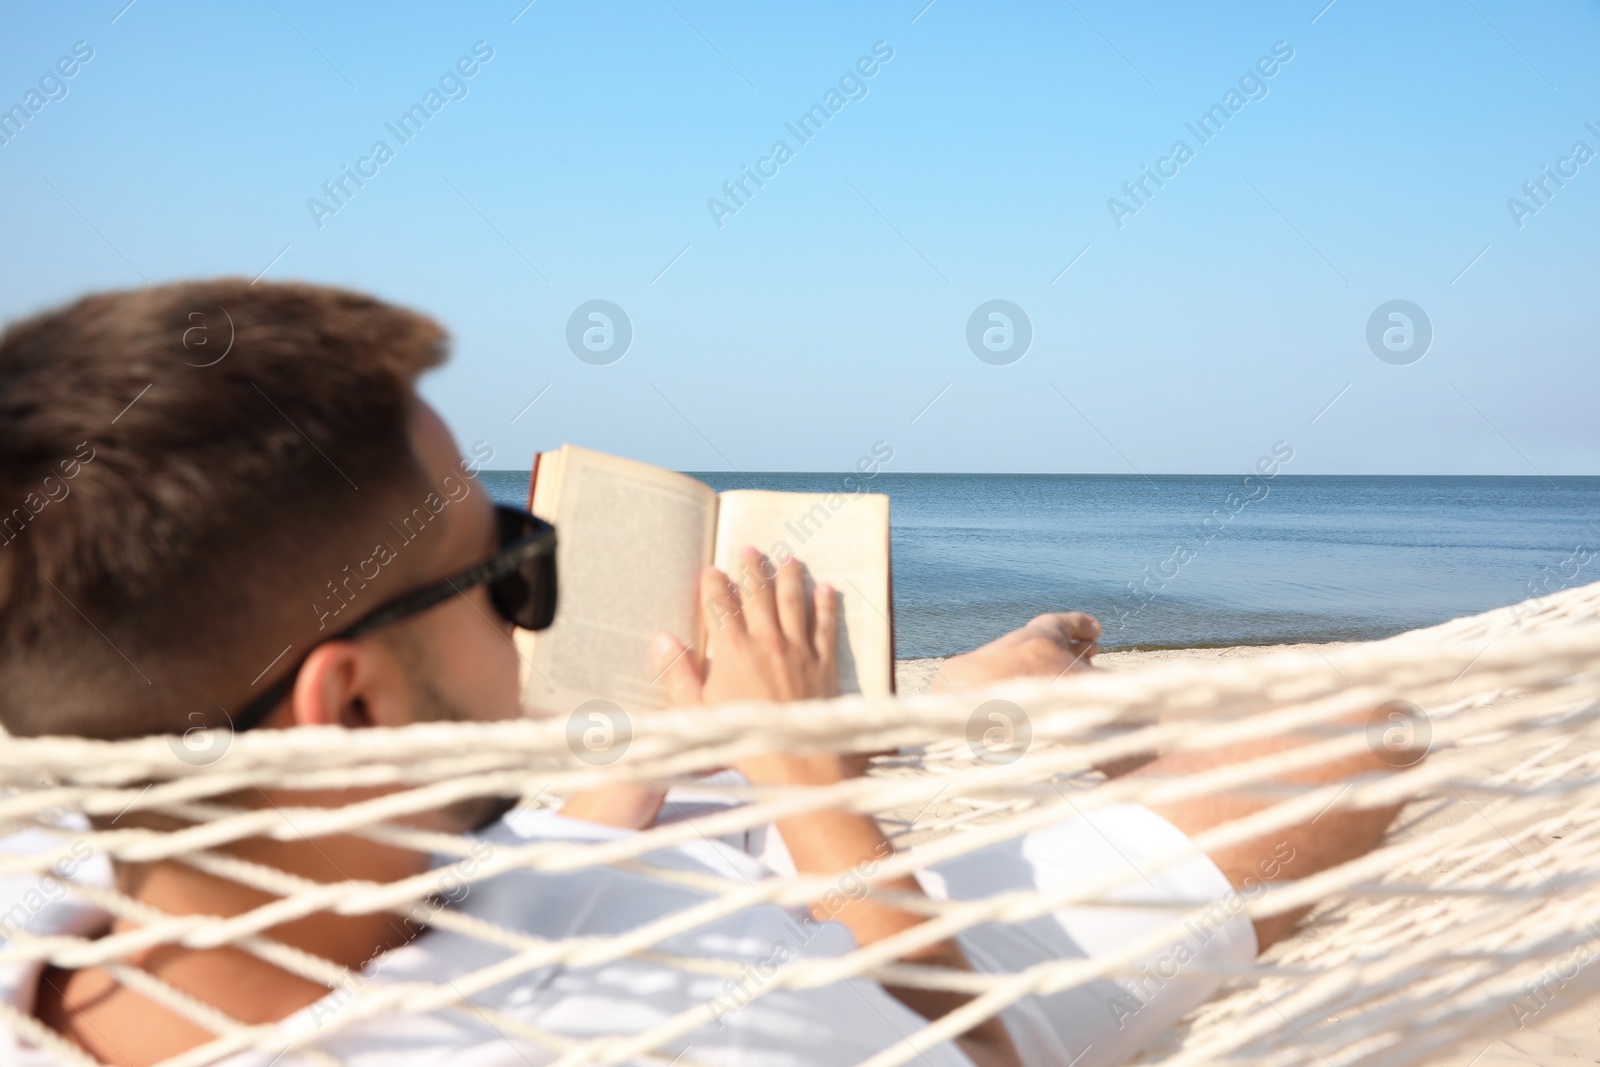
[(346, 683)]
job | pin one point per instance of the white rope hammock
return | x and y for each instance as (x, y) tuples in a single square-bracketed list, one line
[(1474, 913)]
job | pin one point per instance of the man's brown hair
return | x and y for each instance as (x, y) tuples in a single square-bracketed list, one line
[(179, 465)]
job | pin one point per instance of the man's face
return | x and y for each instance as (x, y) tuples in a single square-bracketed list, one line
[(458, 655), (455, 661)]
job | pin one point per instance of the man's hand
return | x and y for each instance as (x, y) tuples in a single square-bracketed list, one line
[(766, 645), (1049, 646), (766, 642)]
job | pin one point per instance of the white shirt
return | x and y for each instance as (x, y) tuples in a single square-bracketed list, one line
[(1103, 1022), (840, 1024)]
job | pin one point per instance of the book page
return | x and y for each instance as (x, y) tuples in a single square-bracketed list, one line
[(632, 539), (846, 546)]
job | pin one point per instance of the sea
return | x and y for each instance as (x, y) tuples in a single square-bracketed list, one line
[(1188, 561)]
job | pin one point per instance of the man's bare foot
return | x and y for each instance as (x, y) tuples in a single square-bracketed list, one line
[(1049, 646)]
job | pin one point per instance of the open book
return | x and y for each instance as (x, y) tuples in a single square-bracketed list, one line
[(633, 539)]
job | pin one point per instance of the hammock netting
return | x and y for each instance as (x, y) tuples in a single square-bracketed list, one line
[(1475, 913)]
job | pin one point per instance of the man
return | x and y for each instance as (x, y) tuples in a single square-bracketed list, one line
[(176, 513)]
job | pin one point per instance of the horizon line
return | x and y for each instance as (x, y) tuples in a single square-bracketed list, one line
[(1075, 474)]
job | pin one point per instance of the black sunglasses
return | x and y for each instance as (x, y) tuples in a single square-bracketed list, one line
[(522, 586)]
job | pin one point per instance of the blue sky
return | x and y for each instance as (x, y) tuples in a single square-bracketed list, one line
[(831, 310)]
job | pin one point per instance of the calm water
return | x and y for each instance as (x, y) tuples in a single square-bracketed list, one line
[(1315, 559)]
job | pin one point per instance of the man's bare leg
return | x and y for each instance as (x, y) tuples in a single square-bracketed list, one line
[(1051, 646), (1334, 837)]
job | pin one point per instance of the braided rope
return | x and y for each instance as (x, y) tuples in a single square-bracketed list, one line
[(1414, 949)]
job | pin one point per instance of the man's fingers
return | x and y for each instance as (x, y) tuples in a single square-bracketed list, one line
[(756, 577), (826, 604), (724, 615), (793, 611), (678, 670)]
